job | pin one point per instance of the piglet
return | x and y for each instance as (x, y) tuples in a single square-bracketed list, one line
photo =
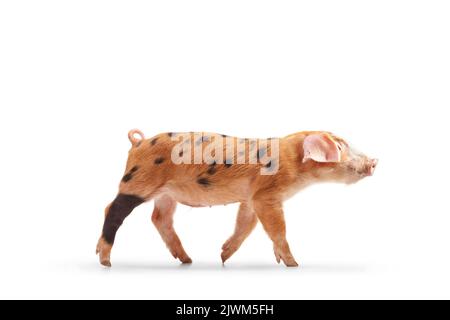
[(204, 169)]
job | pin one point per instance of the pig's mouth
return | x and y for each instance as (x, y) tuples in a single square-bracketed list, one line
[(368, 169), (371, 166)]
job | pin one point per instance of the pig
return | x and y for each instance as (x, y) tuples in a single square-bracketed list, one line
[(200, 169)]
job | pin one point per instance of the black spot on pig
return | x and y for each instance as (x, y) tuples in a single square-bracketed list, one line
[(203, 182), (159, 160), (127, 177), (134, 169), (211, 170), (153, 142)]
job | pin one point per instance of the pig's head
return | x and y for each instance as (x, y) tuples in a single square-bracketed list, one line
[(330, 158)]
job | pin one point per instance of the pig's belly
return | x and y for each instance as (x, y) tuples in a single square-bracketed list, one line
[(201, 196)]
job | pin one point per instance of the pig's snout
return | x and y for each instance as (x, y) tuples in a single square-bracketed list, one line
[(370, 166)]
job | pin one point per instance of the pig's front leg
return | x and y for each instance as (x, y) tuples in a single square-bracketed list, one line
[(270, 213)]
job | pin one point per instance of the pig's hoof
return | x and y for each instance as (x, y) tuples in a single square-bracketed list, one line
[(104, 252), (186, 260), (278, 258), (229, 248), (224, 257), (291, 264), (287, 259), (226, 254), (106, 263), (181, 255)]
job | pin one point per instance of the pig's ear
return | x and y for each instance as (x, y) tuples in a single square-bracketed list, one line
[(320, 147), (132, 136)]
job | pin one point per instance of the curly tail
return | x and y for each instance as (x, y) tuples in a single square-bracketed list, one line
[(131, 135)]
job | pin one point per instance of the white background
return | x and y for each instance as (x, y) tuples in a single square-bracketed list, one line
[(75, 76)]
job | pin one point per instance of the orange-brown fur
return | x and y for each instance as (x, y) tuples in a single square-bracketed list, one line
[(260, 196)]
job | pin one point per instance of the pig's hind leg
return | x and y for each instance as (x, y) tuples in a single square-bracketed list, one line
[(115, 214), (162, 218)]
